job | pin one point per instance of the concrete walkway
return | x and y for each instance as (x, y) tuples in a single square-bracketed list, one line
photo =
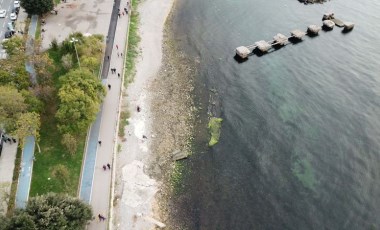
[(7, 165), (25, 177), (100, 193)]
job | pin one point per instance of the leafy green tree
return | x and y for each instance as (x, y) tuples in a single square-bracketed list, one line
[(14, 46), (70, 143), (34, 104), (67, 61), (55, 211), (80, 96), (50, 212), (20, 221), (12, 105), (38, 7), (28, 124)]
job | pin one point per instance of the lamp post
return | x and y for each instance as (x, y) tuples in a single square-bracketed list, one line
[(73, 40)]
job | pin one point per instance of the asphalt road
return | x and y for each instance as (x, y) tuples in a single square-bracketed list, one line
[(8, 6)]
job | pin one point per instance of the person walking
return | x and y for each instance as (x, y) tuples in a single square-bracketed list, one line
[(117, 47), (118, 74), (104, 168), (100, 142), (108, 57), (108, 165), (121, 54), (109, 86), (118, 54)]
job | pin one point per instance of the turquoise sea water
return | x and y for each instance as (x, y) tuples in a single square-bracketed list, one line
[(300, 142)]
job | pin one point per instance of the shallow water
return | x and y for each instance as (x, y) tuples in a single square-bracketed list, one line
[(301, 133)]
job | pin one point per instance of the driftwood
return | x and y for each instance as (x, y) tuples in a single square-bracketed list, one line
[(178, 155)]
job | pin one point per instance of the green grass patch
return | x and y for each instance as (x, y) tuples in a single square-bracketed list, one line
[(38, 29), (177, 176), (133, 42), (52, 155), (124, 115), (214, 126), (16, 174)]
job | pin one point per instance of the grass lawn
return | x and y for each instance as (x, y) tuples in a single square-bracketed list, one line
[(53, 153), (133, 42)]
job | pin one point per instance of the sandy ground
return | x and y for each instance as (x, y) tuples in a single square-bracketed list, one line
[(135, 190)]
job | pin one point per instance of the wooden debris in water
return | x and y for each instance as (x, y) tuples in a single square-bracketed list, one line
[(243, 52), (263, 46), (178, 155), (328, 24), (280, 39), (297, 34), (348, 26), (313, 29)]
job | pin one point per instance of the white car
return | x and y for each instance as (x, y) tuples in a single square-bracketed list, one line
[(13, 16), (3, 13), (17, 4)]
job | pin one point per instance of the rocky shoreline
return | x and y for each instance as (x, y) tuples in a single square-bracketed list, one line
[(174, 115)]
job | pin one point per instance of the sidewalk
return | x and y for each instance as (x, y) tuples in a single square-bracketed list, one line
[(102, 179), (7, 165)]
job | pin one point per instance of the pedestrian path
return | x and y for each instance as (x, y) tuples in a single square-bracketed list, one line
[(89, 160), (25, 177), (100, 194), (7, 164)]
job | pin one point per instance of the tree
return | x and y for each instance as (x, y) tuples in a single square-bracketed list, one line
[(12, 105), (50, 212), (61, 173), (80, 96), (67, 61), (38, 7), (70, 143), (28, 124)]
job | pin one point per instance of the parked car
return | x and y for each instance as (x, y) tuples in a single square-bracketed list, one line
[(3, 13), (8, 34), (16, 4), (16, 10), (10, 26), (13, 16)]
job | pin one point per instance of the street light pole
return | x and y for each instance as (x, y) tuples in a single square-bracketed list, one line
[(73, 40)]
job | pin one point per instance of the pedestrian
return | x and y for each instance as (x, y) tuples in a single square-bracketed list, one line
[(100, 217), (144, 137), (118, 74), (121, 54), (118, 15), (14, 140), (125, 9), (112, 70), (109, 86), (108, 57), (118, 54), (108, 165), (9, 139), (100, 142), (138, 109), (117, 47), (104, 168), (122, 13)]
